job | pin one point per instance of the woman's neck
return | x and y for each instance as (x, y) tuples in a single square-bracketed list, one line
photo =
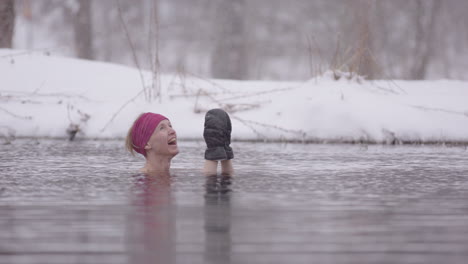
[(157, 164)]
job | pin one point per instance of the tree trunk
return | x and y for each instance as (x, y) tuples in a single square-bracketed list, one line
[(83, 31), (7, 23), (229, 59), (425, 40)]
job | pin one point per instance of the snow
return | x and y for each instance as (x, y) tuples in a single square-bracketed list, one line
[(41, 95)]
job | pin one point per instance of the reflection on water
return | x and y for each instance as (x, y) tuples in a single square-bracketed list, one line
[(81, 202), (151, 232), (217, 219)]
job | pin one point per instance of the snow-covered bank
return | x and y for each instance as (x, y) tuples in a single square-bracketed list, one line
[(41, 96)]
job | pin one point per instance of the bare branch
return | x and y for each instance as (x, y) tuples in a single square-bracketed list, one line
[(120, 109), (15, 115)]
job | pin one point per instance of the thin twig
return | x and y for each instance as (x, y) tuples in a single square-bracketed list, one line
[(203, 92), (311, 65), (298, 132), (385, 75), (9, 98), (157, 63), (121, 108), (132, 47), (181, 73), (150, 47), (232, 108), (15, 115), (171, 83), (8, 136), (195, 106), (33, 94), (210, 82), (23, 53), (425, 108), (334, 61), (68, 113), (260, 93), (249, 126), (319, 52)]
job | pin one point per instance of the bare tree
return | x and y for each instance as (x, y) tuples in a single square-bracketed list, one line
[(7, 22), (409, 39), (425, 36), (229, 60), (83, 30)]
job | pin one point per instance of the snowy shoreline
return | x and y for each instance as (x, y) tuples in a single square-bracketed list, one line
[(43, 96)]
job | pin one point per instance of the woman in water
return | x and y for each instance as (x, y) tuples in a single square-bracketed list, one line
[(152, 136)]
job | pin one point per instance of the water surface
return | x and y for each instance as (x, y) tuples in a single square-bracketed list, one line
[(83, 202)]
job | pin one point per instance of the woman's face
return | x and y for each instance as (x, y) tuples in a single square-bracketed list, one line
[(163, 141)]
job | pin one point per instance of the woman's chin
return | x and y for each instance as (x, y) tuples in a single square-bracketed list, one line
[(173, 150)]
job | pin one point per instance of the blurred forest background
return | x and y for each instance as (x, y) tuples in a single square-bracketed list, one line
[(250, 39)]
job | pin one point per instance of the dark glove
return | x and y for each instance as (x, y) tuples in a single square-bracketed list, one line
[(217, 135)]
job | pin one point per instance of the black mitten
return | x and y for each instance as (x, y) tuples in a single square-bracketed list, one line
[(217, 135)]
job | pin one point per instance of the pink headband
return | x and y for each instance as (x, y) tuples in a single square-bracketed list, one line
[(143, 129)]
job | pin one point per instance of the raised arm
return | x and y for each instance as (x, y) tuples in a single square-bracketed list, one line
[(217, 135)]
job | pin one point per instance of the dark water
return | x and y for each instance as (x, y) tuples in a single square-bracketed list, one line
[(82, 202)]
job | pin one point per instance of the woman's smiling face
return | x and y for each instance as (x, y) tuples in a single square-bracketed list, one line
[(163, 141)]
